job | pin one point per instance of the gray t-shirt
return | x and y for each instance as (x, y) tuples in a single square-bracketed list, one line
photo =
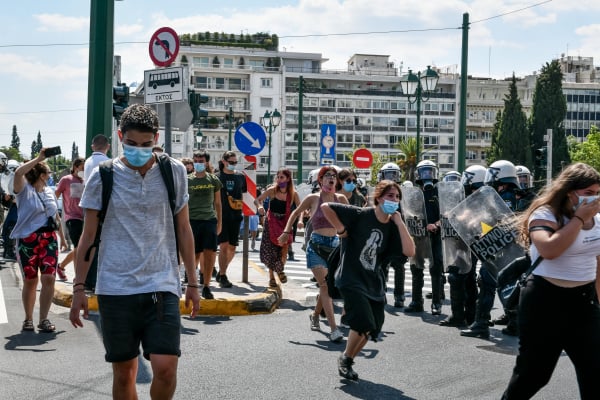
[(137, 250), (32, 213)]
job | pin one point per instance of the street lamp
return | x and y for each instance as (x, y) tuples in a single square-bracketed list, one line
[(419, 86), (270, 121)]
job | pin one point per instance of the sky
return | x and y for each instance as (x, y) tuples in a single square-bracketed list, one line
[(44, 44)]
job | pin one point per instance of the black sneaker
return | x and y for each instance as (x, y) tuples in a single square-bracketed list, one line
[(207, 294), (217, 277), (345, 368), (224, 282)]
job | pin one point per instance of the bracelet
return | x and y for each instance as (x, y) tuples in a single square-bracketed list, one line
[(194, 286), (78, 284), (579, 218), (342, 232), (78, 291)]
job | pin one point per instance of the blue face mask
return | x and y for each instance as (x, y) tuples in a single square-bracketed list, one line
[(230, 167), (199, 167), (349, 187), (587, 199), (389, 207), (137, 156)]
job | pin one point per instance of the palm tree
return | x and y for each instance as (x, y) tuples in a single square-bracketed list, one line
[(408, 163)]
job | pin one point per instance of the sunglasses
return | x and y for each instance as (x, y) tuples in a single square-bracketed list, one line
[(328, 175), (232, 162), (349, 180)]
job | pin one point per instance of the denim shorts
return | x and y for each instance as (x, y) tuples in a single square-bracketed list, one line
[(312, 258), (151, 319)]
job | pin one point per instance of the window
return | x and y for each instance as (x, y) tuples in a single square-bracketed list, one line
[(219, 83), (471, 135), (266, 102), (176, 137), (471, 155), (228, 63), (257, 64), (235, 84), (200, 62), (266, 82), (202, 82)]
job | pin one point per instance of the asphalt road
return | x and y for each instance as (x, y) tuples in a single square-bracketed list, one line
[(274, 356)]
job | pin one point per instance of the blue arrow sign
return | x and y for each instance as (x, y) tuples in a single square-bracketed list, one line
[(250, 138)]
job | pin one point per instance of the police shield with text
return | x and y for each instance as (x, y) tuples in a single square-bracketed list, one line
[(457, 255), (423, 223), (482, 221)]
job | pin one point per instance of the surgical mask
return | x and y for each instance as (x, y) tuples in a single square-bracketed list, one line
[(389, 207), (80, 174), (588, 199), (137, 156), (230, 167), (199, 167), (282, 185), (349, 187)]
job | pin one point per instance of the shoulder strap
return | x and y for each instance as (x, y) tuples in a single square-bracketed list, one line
[(106, 177), (166, 170)]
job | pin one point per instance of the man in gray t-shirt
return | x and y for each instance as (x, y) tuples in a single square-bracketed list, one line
[(138, 283)]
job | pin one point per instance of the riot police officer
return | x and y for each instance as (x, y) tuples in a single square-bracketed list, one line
[(426, 178), (391, 171), (452, 176), (502, 176), (525, 193), (463, 286)]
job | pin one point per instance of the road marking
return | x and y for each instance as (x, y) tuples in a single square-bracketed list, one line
[(3, 316)]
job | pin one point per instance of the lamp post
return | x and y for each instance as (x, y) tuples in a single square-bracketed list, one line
[(270, 121), (420, 86)]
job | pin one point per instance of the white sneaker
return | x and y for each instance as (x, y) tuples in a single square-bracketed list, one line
[(315, 324), (336, 335)]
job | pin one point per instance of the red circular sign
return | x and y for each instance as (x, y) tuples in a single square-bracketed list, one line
[(164, 47), (362, 158)]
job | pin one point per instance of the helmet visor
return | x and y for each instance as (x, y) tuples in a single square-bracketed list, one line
[(391, 175), (426, 173)]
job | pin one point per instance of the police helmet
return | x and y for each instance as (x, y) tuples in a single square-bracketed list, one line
[(389, 171), (474, 176), (524, 176), (407, 184), (452, 176), (12, 165), (501, 172), (427, 173)]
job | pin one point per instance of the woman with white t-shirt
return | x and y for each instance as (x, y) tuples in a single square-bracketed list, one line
[(558, 309)]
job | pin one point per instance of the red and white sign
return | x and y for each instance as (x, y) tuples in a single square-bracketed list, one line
[(362, 158), (164, 47), (249, 196)]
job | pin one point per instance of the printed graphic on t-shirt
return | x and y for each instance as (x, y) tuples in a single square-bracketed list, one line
[(76, 189), (229, 184), (368, 255)]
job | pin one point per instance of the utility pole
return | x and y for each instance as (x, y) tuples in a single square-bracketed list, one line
[(548, 156), (462, 116), (300, 139), (99, 102)]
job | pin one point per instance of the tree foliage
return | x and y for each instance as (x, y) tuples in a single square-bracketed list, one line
[(12, 153), (493, 153), (15, 141), (408, 163), (548, 112), (74, 151), (587, 151), (513, 139)]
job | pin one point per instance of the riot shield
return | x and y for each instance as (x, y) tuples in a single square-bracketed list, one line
[(5, 179), (303, 190), (413, 210), (456, 252), (483, 221)]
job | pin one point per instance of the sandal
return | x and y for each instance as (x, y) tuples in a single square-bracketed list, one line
[(27, 325), (272, 282), (282, 277), (46, 326)]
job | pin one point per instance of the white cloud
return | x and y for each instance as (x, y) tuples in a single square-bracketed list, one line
[(128, 30), (61, 23), (29, 69)]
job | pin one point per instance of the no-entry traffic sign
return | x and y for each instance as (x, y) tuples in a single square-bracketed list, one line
[(362, 158), (164, 47)]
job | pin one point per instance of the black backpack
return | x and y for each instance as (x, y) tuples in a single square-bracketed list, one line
[(106, 176)]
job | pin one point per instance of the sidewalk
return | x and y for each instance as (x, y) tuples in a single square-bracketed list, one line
[(254, 297)]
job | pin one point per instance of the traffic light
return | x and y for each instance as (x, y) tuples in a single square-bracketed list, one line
[(120, 99), (540, 157), (195, 100)]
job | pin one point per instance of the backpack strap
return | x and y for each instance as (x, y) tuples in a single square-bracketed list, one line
[(106, 176), (166, 170)]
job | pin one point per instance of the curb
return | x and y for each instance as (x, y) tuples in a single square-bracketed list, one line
[(263, 303)]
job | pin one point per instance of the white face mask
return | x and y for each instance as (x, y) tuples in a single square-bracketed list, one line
[(80, 174), (587, 199)]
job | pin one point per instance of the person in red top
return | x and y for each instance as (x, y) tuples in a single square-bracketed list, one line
[(71, 187)]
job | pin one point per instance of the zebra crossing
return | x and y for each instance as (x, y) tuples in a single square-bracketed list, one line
[(297, 272)]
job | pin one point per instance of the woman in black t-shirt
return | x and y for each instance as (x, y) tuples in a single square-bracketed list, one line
[(370, 240)]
